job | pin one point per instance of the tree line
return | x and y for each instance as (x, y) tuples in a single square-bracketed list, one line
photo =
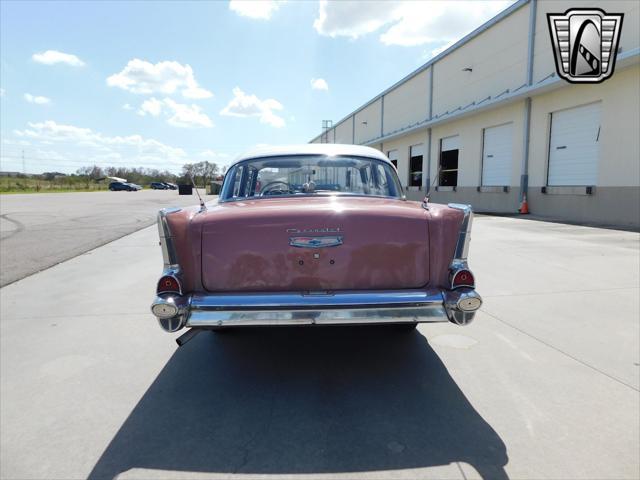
[(202, 173)]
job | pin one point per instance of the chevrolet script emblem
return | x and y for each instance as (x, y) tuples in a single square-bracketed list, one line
[(585, 43), (315, 242)]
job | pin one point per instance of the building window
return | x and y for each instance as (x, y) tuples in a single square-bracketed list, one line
[(449, 151), (393, 156), (415, 165)]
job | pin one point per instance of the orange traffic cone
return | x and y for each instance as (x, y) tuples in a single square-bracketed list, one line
[(524, 206)]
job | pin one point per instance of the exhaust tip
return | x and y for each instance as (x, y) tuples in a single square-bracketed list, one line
[(469, 304), (165, 309)]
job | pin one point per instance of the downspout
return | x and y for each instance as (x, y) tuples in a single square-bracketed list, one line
[(353, 129), (427, 177), (524, 176), (382, 116)]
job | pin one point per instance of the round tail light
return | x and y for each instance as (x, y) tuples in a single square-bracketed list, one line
[(463, 278), (168, 284)]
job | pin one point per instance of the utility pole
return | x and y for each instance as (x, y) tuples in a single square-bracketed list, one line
[(326, 126), (24, 169)]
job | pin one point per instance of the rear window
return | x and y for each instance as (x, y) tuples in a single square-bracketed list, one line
[(310, 175)]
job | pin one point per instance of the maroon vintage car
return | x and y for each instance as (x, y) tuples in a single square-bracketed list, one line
[(314, 235)]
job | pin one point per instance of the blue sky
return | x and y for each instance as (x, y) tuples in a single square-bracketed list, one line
[(160, 84)]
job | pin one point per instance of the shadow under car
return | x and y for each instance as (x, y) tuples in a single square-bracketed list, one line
[(304, 400)]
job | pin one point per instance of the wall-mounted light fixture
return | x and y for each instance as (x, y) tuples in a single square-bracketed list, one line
[(364, 123), (467, 69)]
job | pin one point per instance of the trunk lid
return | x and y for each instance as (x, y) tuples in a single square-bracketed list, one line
[(362, 243)]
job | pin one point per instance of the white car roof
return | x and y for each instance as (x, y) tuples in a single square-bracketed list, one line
[(332, 149)]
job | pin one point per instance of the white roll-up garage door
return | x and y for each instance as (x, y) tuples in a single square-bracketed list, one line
[(497, 155), (450, 143), (417, 150), (574, 146)]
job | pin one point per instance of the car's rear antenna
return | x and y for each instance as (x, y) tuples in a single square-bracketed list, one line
[(203, 207), (427, 195)]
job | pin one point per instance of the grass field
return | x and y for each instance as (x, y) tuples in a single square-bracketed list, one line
[(35, 185)]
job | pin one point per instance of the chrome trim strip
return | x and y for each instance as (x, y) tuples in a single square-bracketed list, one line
[(311, 195), (316, 300), (321, 308), (213, 318), (464, 237), (169, 254)]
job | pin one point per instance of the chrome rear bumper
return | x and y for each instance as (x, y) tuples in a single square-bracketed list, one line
[(321, 308)]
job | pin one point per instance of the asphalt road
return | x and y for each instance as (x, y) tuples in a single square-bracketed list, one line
[(544, 384), (40, 230)]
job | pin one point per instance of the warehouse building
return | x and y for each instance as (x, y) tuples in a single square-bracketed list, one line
[(489, 120)]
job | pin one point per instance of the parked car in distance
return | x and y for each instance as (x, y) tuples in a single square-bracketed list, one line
[(128, 187), (159, 186), (171, 186), (318, 234)]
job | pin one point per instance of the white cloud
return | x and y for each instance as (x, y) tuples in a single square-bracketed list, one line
[(208, 153), (439, 50), (178, 114), (256, 9), (39, 100), (71, 147), (215, 157), (187, 115), (2, 92), (153, 107), (319, 84), (51, 57), (140, 76), (51, 132), (405, 23), (9, 141), (352, 18), (243, 105), (127, 106)]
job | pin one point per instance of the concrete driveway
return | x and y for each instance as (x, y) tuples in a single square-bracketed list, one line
[(40, 230), (544, 384)]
